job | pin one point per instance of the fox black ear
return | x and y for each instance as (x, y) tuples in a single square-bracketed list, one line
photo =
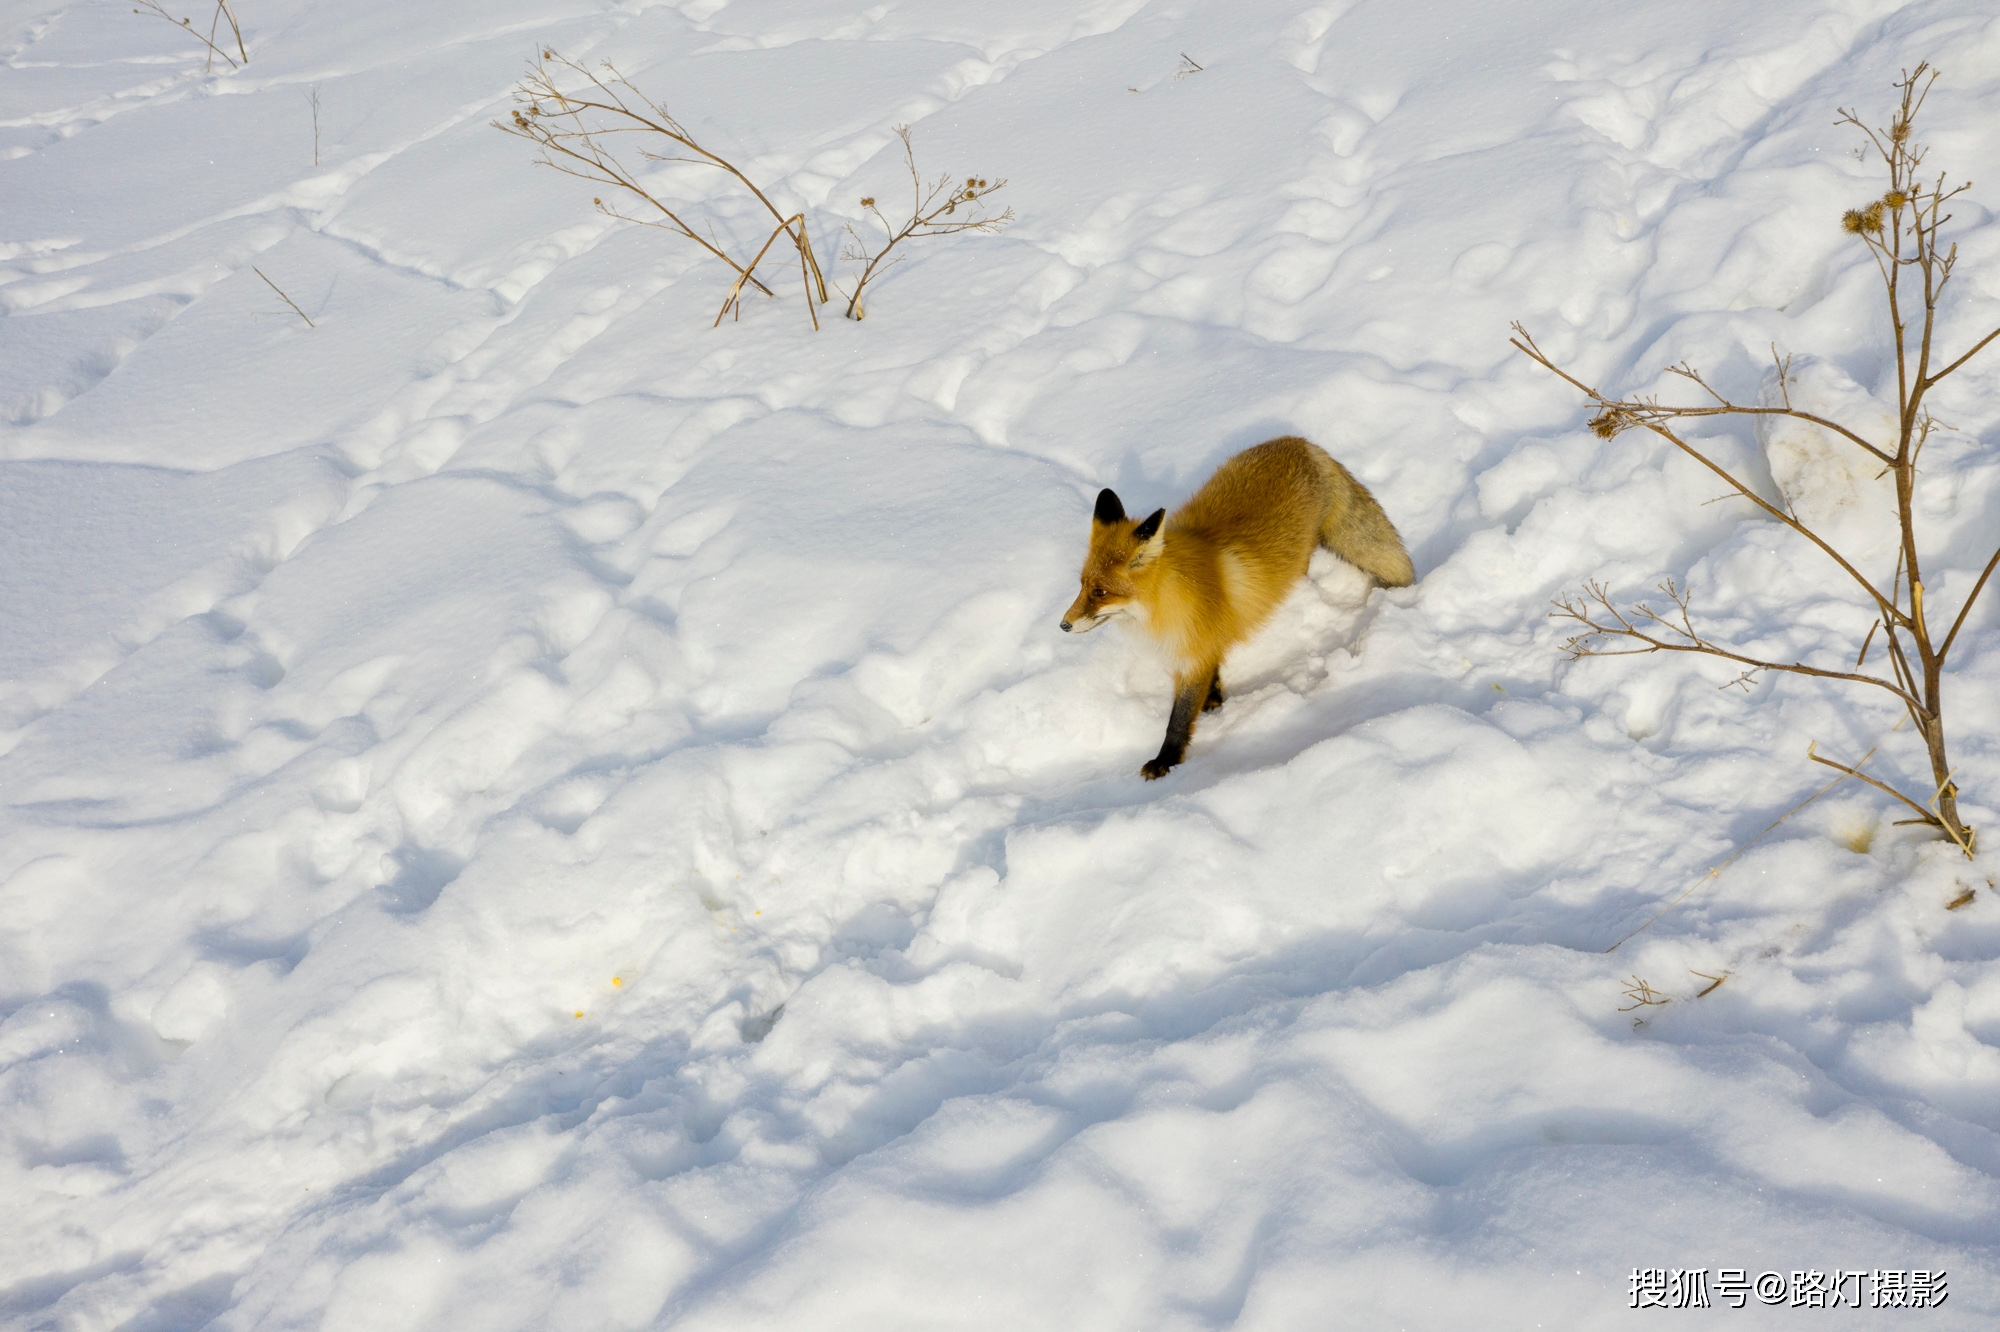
[(1144, 531), (1109, 510)]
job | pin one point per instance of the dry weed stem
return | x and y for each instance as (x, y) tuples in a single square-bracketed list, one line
[(934, 211), (1901, 231)]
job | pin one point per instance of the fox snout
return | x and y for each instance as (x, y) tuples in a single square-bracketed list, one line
[(1085, 614), (1081, 624)]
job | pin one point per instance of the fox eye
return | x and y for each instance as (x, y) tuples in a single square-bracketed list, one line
[(1097, 592)]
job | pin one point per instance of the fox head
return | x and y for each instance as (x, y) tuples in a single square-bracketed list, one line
[(1120, 551)]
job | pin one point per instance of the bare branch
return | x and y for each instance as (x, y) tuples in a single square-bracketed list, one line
[(1926, 815), (1901, 230), (572, 129), (1622, 626), (1784, 374), (930, 205), (1620, 415), (1625, 413), (1686, 371), (1966, 609), (1977, 347)]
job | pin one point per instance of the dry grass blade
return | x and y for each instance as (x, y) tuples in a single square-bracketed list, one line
[(223, 9), (281, 296), (794, 227), (1642, 995), (222, 12), (1714, 983)]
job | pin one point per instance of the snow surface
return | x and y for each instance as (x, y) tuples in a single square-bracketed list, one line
[(521, 810)]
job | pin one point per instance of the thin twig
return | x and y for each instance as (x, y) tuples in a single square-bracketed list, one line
[(1642, 995), (236, 28), (930, 205), (1927, 816), (1618, 415), (572, 129), (281, 296), (1977, 347), (784, 228), (1580, 646), (1966, 609), (222, 9), (187, 26), (313, 97), (1965, 842)]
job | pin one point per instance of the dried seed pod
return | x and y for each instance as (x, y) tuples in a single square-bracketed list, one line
[(1863, 221), (1610, 421)]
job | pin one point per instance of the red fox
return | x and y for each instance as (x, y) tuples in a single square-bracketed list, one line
[(1205, 579)]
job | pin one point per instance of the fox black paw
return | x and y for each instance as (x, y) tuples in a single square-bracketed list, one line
[(1155, 769)]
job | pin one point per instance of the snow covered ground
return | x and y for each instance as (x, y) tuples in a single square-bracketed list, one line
[(521, 810)]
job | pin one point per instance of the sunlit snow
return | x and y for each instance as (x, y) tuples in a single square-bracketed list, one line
[(520, 809)]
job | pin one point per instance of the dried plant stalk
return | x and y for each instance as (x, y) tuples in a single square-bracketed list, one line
[(573, 130), (215, 21), (1901, 231), (286, 299), (935, 210), (1642, 995)]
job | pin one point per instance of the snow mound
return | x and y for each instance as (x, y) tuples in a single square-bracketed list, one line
[(520, 809), (1828, 482)]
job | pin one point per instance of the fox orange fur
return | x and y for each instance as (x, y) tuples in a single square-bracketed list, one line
[(1205, 579)]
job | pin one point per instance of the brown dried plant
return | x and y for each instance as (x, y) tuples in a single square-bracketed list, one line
[(935, 210), (222, 13), (574, 129), (1642, 995), (286, 299), (1901, 231)]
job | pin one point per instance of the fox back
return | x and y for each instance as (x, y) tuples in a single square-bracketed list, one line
[(1207, 578)]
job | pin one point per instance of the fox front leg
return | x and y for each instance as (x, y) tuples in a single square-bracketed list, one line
[(1214, 693), (1191, 691)]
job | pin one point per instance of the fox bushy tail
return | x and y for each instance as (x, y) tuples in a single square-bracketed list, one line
[(1356, 529)]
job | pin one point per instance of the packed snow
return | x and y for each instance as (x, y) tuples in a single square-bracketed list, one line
[(520, 809)]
